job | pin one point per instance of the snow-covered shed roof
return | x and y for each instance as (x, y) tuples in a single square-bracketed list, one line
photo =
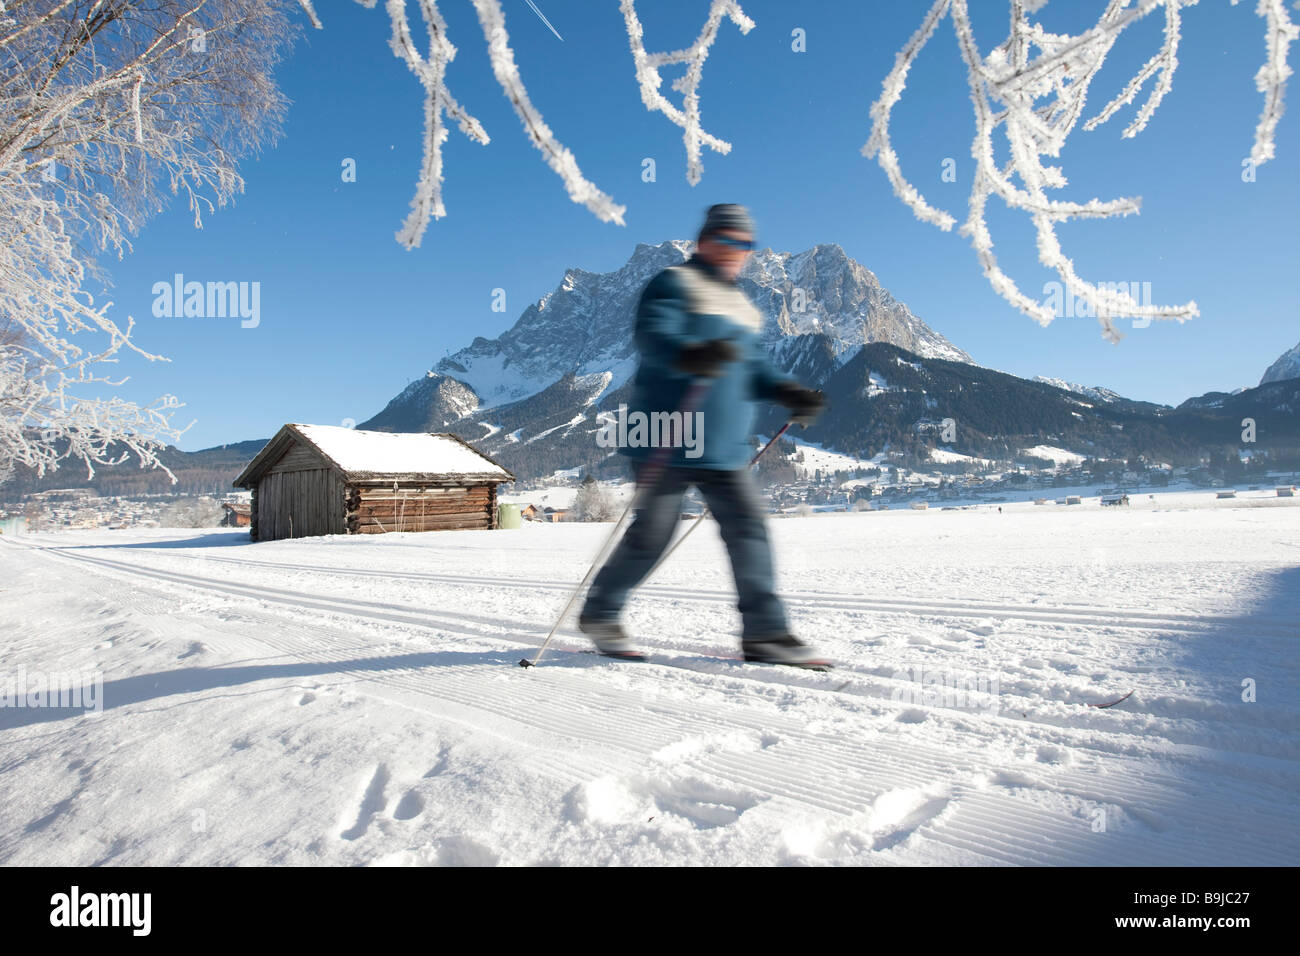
[(364, 455)]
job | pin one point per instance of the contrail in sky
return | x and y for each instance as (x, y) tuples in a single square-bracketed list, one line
[(544, 20)]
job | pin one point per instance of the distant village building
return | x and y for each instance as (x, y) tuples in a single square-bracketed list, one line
[(64, 494), (326, 479), (236, 516)]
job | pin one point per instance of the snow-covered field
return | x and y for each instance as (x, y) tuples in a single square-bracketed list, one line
[(357, 699)]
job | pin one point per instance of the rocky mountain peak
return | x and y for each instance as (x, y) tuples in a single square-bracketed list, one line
[(819, 307), (1286, 367)]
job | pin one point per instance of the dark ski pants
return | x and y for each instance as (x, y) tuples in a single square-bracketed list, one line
[(733, 500)]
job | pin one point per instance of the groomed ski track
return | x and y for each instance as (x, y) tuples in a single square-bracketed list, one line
[(842, 767)]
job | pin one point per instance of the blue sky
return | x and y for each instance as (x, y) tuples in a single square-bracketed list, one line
[(349, 317)]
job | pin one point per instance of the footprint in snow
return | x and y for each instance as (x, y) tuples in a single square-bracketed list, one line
[(461, 850), (897, 814), (410, 806), (701, 803), (1152, 820), (444, 759), (635, 800), (1014, 779), (372, 802), (732, 742), (1050, 753), (453, 850)]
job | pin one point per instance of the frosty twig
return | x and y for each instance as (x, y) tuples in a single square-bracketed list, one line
[(647, 73), (1032, 88)]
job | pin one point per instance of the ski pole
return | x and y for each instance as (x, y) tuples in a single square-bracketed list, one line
[(648, 477), (705, 512)]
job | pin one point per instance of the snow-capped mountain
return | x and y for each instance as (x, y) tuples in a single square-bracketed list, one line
[(530, 398), (1095, 392), (819, 307), (1286, 367)]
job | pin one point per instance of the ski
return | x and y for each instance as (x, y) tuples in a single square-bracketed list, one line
[(640, 657), (1117, 700)]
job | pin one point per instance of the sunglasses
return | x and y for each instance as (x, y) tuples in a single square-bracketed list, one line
[(747, 244)]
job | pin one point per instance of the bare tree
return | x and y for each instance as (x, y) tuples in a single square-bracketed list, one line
[(191, 513), (593, 502), (105, 107)]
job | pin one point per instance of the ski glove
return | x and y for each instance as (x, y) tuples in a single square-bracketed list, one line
[(805, 404), (705, 358)]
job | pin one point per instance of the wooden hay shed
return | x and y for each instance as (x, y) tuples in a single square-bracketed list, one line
[(326, 479)]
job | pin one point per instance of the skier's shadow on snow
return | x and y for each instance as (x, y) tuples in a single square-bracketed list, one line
[(189, 680), (214, 539), (1154, 822)]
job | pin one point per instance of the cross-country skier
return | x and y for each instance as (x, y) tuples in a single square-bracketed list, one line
[(694, 322)]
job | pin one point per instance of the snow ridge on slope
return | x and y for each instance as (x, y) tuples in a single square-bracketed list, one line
[(1091, 391)]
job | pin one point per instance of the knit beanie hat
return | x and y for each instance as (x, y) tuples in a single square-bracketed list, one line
[(727, 216)]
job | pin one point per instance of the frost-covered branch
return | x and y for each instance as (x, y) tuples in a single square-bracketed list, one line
[(892, 90), (1031, 90), (647, 67), (580, 190), (1272, 76), (431, 71), (1165, 63), (308, 9)]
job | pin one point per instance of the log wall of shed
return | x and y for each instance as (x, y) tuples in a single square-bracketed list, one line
[(376, 510), (299, 503)]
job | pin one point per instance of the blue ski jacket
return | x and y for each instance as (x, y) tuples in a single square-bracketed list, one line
[(688, 304)]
